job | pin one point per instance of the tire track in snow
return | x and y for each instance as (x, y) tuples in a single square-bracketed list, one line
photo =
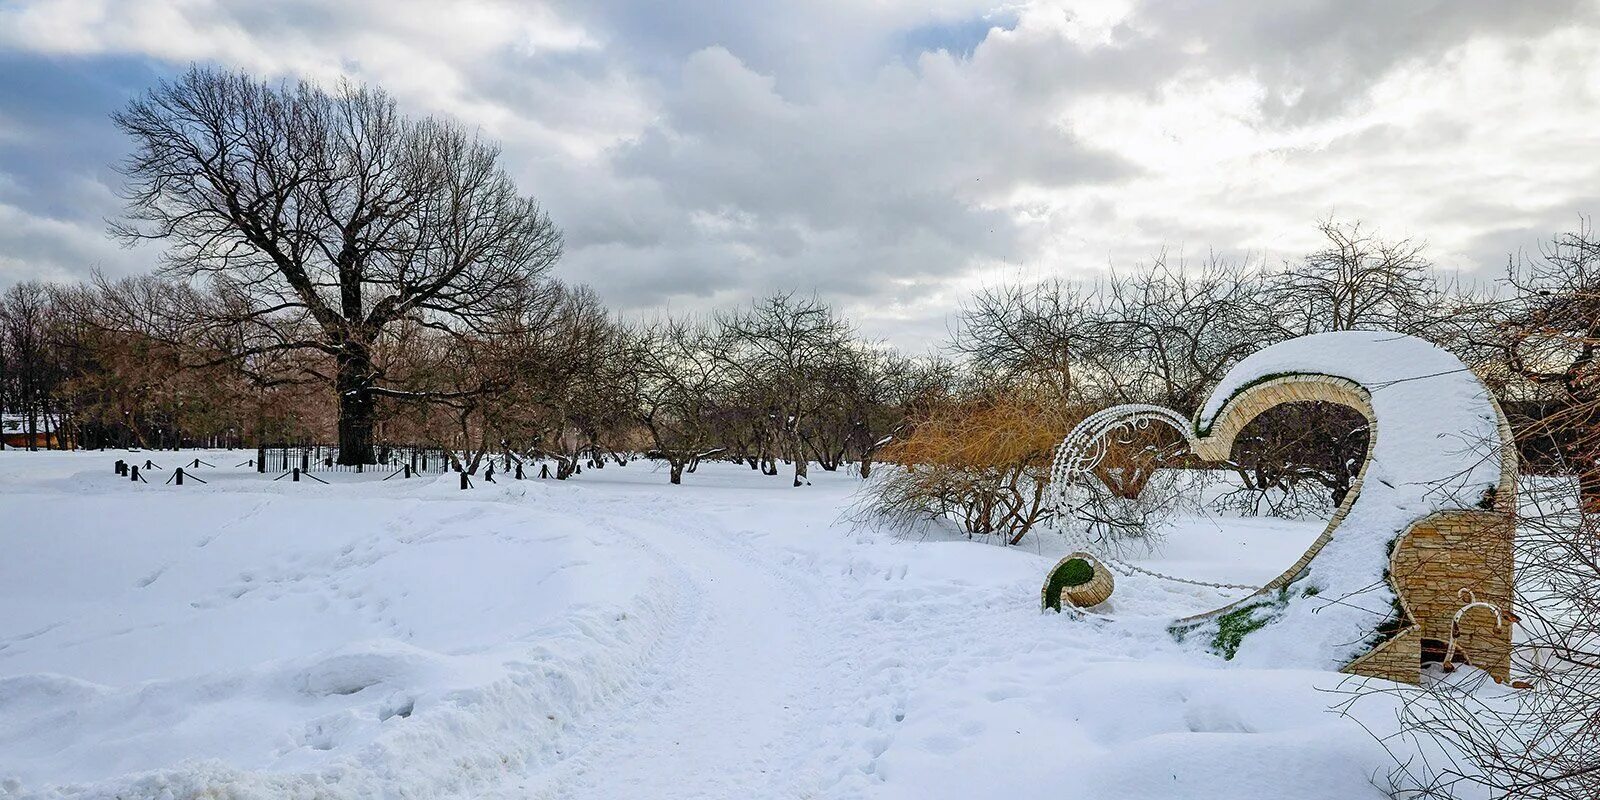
[(787, 685), (714, 711)]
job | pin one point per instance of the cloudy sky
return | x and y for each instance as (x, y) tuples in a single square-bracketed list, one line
[(889, 156)]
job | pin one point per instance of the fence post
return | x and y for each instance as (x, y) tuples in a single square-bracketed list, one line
[(296, 474), (134, 469), (519, 471), (261, 458), (408, 470), (122, 467), (464, 482), (178, 476)]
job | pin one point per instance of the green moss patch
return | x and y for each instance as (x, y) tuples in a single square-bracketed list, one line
[(1076, 572), (1233, 626), (1072, 572), (1228, 630)]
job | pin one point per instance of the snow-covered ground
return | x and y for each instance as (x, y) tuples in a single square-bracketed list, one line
[(611, 636)]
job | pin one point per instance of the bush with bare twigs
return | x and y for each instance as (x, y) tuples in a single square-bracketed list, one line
[(1462, 735)]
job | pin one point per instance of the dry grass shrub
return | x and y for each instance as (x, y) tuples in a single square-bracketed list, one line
[(983, 464)]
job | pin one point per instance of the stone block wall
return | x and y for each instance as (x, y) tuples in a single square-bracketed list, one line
[(1442, 555)]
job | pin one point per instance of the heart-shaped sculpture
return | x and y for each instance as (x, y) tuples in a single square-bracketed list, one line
[(1423, 536)]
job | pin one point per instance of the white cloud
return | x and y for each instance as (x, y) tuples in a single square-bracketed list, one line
[(38, 247), (699, 152)]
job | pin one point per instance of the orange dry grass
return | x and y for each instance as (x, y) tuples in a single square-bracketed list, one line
[(997, 432), (984, 463)]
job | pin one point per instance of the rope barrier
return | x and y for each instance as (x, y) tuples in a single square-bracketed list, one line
[(1081, 451), (1152, 573)]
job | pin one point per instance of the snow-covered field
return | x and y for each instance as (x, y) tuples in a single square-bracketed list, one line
[(611, 636)]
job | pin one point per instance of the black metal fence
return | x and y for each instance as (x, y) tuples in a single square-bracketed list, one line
[(311, 457)]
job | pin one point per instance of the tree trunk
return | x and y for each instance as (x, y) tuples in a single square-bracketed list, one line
[(677, 471), (1588, 487), (800, 464), (357, 406)]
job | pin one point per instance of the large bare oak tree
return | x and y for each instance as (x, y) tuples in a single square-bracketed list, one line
[(329, 216)]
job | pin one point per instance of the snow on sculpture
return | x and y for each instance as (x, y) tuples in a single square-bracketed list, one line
[(1416, 561)]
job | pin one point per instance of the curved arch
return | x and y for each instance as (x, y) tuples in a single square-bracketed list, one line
[(1437, 477), (1083, 448), (1255, 399)]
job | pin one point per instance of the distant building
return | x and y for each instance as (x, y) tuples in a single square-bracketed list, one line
[(14, 431)]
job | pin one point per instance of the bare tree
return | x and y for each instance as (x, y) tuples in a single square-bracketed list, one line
[(883, 392), (788, 346), (1160, 334), (329, 217), (1358, 281), (581, 382), (681, 377), (1548, 335), (1038, 334), (1296, 459), (1168, 332), (24, 312)]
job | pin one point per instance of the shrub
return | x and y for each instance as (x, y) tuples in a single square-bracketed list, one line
[(983, 464)]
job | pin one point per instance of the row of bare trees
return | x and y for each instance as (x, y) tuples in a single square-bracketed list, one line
[(166, 359), (156, 362), (783, 379), (1167, 331), (330, 261)]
